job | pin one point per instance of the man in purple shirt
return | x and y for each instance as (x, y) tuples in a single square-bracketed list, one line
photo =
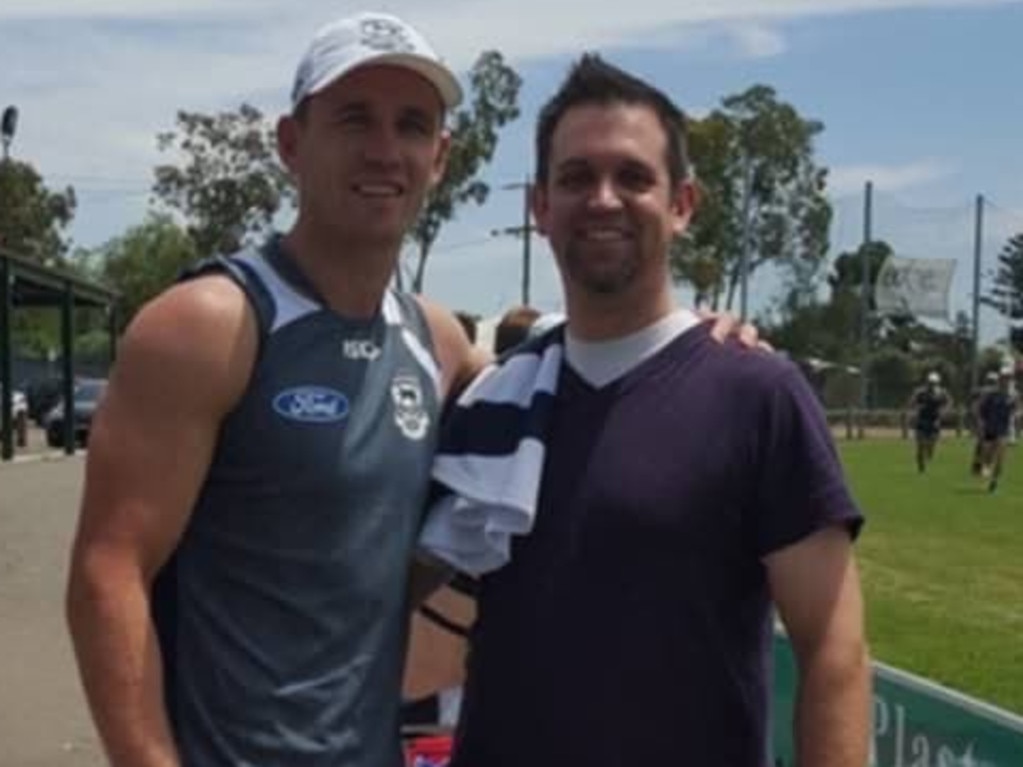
[(688, 490)]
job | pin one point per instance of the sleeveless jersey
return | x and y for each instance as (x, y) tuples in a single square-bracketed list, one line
[(996, 410), (282, 615), (928, 408)]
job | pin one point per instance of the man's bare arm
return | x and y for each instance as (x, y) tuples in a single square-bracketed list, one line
[(459, 359), (181, 365), (816, 588)]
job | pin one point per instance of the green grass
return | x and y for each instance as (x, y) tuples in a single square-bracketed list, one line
[(942, 566)]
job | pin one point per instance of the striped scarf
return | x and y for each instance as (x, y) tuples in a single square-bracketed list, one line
[(490, 458)]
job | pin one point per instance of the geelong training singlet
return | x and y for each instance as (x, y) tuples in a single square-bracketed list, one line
[(282, 614)]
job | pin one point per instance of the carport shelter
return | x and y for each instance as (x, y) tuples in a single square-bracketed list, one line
[(24, 284)]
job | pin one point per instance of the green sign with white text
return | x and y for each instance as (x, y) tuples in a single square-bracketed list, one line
[(916, 723)]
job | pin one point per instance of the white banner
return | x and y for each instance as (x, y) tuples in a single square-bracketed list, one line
[(918, 286)]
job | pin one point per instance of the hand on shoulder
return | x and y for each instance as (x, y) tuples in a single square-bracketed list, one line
[(727, 325)]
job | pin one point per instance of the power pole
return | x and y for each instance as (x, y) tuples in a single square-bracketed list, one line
[(747, 200), (868, 236), (978, 251), (525, 231)]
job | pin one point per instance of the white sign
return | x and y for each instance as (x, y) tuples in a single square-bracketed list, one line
[(918, 286)]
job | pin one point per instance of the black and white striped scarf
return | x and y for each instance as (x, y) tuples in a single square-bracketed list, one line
[(490, 458)]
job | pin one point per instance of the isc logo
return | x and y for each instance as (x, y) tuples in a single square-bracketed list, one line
[(361, 350)]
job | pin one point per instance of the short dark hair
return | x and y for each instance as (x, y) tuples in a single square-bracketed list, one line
[(593, 81), (514, 327)]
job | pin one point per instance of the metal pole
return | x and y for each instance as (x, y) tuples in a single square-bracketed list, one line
[(526, 232), (112, 320), (747, 195), (868, 236), (67, 335), (978, 238), (6, 350)]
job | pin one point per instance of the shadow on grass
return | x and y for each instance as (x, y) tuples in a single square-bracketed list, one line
[(969, 490)]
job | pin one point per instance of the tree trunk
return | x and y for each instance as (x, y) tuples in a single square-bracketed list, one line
[(424, 252), (733, 283)]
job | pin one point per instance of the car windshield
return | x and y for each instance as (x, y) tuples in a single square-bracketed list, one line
[(89, 391)]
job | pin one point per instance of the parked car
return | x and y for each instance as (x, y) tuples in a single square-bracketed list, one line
[(87, 394), (19, 404), (42, 395)]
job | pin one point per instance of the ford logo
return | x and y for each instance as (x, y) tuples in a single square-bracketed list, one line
[(312, 404)]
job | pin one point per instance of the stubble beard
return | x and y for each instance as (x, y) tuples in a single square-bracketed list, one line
[(607, 280)]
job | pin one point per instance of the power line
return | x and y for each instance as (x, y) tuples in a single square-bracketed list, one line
[(1011, 213), (111, 193), (462, 245), (135, 181)]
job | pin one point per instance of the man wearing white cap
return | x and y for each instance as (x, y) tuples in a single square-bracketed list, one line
[(928, 403), (995, 413), (989, 384), (238, 588)]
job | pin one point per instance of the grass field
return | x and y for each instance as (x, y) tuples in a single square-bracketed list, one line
[(942, 566)]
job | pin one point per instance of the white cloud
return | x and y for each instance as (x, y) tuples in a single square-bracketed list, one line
[(124, 9), (850, 179), (668, 10), (758, 41), (96, 80)]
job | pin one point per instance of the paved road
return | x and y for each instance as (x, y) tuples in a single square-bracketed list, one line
[(43, 720)]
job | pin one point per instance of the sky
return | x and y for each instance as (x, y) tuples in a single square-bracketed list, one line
[(920, 97)]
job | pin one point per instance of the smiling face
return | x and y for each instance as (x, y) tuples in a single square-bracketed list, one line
[(364, 152), (608, 206)]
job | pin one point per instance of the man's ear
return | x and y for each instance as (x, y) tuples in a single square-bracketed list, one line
[(538, 204), (686, 198), (440, 162), (287, 141)]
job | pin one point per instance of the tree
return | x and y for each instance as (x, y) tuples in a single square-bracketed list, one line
[(1006, 294), (143, 261), (754, 156), (494, 88), (32, 222), (231, 184), (893, 377), (832, 330), (32, 218), (817, 330), (848, 269)]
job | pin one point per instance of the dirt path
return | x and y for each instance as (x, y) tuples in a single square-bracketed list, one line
[(43, 720)]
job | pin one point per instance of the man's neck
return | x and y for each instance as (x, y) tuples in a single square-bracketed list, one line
[(350, 277), (605, 318)]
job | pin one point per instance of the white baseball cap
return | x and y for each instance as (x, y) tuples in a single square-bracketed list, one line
[(933, 377), (370, 38)]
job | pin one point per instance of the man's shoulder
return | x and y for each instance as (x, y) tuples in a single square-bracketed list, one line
[(201, 332), (748, 369), (210, 298)]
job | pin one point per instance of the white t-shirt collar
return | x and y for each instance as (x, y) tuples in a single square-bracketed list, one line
[(600, 362)]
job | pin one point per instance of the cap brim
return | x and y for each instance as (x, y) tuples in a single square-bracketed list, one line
[(442, 78)]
